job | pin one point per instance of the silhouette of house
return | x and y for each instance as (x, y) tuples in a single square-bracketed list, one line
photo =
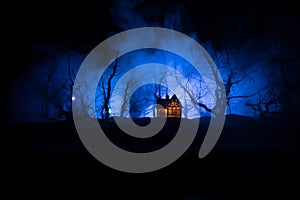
[(171, 108)]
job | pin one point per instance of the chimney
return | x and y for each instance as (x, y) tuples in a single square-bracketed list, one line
[(167, 96)]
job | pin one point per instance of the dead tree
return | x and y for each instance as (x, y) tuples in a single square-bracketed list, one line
[(107, 90), (54, 90), (234, 79)]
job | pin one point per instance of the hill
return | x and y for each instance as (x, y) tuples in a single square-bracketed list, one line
[(253, 157)]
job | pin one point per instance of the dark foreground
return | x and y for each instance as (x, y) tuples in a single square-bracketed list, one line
[(252, 160)]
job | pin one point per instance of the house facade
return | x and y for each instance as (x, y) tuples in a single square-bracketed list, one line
[(171, 107)]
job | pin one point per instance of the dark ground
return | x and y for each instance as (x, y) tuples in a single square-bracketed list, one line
[(251, 159)]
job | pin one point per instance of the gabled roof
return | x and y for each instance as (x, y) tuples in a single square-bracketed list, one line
[(165, 102)]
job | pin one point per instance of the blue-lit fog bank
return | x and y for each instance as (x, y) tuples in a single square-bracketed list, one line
[(244, 87), (142, 103), (252, 70), (48, 88)]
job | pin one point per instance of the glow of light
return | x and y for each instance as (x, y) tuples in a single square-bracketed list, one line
[(73, 98), (109, 110)]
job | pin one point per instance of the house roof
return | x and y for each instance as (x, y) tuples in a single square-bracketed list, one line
[(165, 102)]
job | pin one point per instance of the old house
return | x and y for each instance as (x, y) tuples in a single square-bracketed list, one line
[(171, 108)]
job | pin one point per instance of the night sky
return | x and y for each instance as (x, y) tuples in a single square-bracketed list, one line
[(91, 22), (80, 26)]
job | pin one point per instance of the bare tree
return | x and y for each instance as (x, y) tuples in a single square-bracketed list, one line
[(55, 84), (128, 85), (107, 90), (235, 78)]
